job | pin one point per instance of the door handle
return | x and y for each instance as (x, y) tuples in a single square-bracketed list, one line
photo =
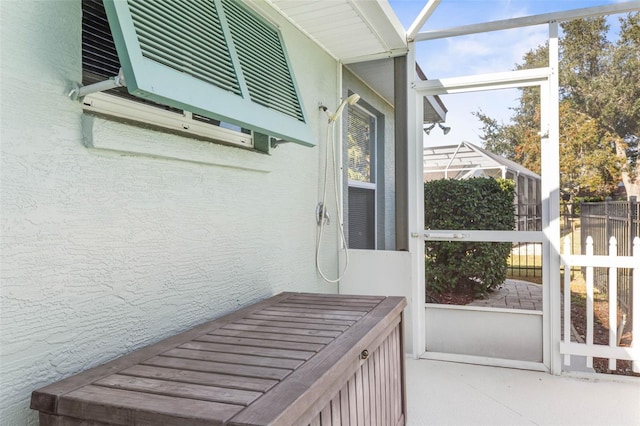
[(441, 235)]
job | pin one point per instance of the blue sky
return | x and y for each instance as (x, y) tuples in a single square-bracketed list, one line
[(480, 53)]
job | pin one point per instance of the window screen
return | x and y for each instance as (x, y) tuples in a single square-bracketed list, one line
[(362, 222), (361, 153), (360, 133)]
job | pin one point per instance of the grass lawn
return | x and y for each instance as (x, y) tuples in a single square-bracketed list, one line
[(525, 263)]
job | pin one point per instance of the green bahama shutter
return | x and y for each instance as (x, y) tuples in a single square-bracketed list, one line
[(186, 36), (215, 58), (263, 61)]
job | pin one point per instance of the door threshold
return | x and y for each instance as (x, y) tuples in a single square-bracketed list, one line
[(487, 361)]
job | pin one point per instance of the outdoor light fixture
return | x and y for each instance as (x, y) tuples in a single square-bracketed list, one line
[(428, 130), (445, 129)]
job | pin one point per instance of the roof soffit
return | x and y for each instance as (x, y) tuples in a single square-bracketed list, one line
[(349, 30)]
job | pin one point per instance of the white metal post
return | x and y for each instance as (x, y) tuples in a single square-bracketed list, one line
[(550, 162), (416, 206), (635, 306), (337, 137)]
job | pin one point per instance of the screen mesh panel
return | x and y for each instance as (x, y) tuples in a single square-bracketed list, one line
[(362, 218), (360, 131)]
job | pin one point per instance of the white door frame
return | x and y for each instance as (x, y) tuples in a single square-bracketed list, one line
[(547, 80)]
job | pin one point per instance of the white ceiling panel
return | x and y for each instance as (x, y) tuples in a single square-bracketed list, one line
[(350, 30)]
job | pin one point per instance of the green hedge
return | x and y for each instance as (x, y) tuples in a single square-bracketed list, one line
[(474, 204)]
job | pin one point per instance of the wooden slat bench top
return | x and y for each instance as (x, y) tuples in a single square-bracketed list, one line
[(264, 364)]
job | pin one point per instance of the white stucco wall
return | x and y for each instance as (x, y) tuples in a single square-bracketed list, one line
[(102, 252), (381, 273)]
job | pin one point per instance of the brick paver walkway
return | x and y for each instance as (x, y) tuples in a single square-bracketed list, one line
[(514, 294)]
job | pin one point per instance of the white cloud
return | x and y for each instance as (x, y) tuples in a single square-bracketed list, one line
[(478, 53), (468, 48)]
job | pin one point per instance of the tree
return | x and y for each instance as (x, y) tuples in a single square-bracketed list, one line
[(497, 137), (519, 140), (614, 98), (599, 111), (589, 164), (583, 58), (359, 162)]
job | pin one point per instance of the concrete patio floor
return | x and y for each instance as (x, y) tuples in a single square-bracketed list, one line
[(445, 393)]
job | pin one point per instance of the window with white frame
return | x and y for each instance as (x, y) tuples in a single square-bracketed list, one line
[(362, 140), (212, 69)]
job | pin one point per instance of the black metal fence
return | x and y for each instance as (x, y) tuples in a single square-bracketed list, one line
[(525, 261), (601, 221)]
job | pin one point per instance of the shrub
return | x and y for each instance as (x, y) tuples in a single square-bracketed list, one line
[(474, 204)]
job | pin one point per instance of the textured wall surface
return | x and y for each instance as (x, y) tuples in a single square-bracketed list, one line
[(105, 252)]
